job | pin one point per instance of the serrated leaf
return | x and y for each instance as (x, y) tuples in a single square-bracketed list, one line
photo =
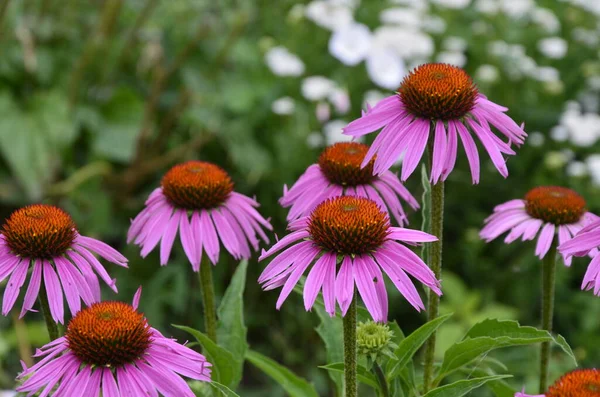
[(223, 390), (409, 345), (561, 341), (462, 387), (219, 357), (294, 385), (362, 375), (231, 330), (485, 337)]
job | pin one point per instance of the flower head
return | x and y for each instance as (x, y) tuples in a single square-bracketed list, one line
[(553, 209), (109, 348), (46, 239), (577, 383), (586, 242), (348, 241), (197, 199), (441, 101), (374, 339), (338, 172)]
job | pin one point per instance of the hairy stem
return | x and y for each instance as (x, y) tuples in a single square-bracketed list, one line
[(548, 278), (208, 300), (350, 350), (45, 308)]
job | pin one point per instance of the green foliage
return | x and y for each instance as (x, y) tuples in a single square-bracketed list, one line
[(462, 387)]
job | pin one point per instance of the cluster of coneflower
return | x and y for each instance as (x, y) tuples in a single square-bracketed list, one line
[(341, 215)]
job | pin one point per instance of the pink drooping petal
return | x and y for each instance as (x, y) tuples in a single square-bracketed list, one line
[(101, 248), (451, 149), (187, 240), (510, 205), (392, 180), (34, 287), (168, 237), (329, 285), (15, 282), (314, 281), (91, 259), (210, 239), (344, 284), (87, 272), (439, 152), (367, 290), (382, 113), (284, 242), (226, 234), (544, 240), (377, 277), (470, 150), (410, 235), (582, 243), (564, 235), (285, 259), (490, 147), (55, 296), (416, 148), (293, 278), (401, 281), (68, 284)]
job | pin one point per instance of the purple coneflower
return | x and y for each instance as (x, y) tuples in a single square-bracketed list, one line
[(197, 198), (46, 239), (338, 172), (109, 348), (355, 233), (577, 383), (443, 99), (586, 242), (549, 208)]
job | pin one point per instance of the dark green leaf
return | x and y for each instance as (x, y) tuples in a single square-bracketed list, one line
[(560, 341), (462, 387)]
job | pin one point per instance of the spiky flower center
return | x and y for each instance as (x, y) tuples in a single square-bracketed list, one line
[(197, 185), (555, 204), (348, 225), (108, 334), (39, 231), (372, 337), (340, 163), (438, 91), (578, 383)]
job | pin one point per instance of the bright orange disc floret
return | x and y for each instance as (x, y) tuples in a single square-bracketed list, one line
[(578, 383), (108, 334), (555, 204), (39, 231), (438, 91), (348, 225), (197, 185), (341, 161)]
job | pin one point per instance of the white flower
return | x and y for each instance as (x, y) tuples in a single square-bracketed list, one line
[(576, 169), (333, 132), (584, 129), (283, 106), (415, 4), (553, 47), (385, 68), (546, 19), (314, 140), (316, 88), (405, 42), (372, 97), (453, 58), (454, 43), (350, 44), (329, 14), (434, 24), (559, 133), (536, 139), (516, 8), (593, 163), (487, 7), (283, 63), (340, 100), (456, 4), (487, 73), (323, 111), (546, 74), (405, 17)]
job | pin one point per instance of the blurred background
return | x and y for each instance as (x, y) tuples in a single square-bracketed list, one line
[(99, 98)]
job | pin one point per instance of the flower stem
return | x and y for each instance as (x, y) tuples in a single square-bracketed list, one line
[(548, 284), (435, 262), (350, 349), (208, 300), (385, 392), (45, 308)]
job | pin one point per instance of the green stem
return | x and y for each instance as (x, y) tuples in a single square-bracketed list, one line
[(45, 309), (385, 392), (435, 262), (548, 284), (208, 300), (350, 349)]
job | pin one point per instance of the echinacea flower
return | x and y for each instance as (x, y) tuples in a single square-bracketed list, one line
[(438, 102), (46, 239), (109, 348), (586, 242), (356, 234), (577, 383), (553, 209), (197, 199), (338, 172)]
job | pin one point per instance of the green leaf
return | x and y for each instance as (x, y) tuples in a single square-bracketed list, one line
[(560, 341), (425, 212), (231, 331), (462, 387), (219, 357), (362, 374), (486, 336), (499, 387), (223, 390), (330, 329), (409, 345), (294, 385)]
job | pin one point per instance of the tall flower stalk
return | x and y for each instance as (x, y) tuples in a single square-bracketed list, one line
[(350, 356), (548, 286)]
